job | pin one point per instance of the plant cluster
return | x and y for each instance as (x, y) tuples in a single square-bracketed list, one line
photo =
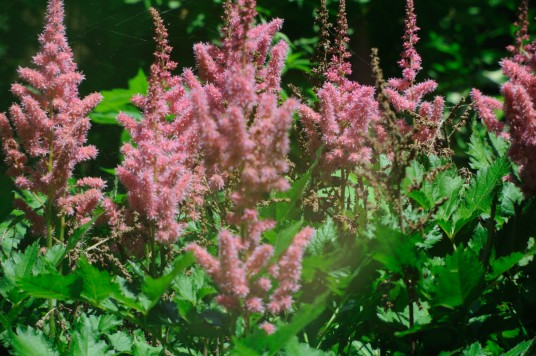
[(212, 239)]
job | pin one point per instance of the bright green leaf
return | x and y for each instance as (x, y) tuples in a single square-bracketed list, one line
[(85, 340), (51, 286), (97, 285), (31, 342), (459, 279)]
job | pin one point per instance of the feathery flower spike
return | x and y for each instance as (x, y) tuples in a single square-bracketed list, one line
[(157, 171), (244, 138), (245, 283), (346, 111), (406, 95), (243, 128), (519, 103), (50, 127)]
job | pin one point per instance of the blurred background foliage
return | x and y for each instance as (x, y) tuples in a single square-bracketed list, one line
[(461, 44)]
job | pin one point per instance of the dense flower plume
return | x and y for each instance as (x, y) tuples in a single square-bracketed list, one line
[(51, 126), (244, 137), (243, 128), (485, 107), (406, 95), (248, 279), (519, 104), (157, 169), (346, 111)]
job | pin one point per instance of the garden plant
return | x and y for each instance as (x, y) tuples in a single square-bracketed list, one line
[(250, 214)]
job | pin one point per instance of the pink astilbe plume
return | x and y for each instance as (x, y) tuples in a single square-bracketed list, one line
[(522, 48), (406, 96), (157, 170), (51, 126), (243, 127), (519, 104), (244, 139), (248, 279), (346, 111)]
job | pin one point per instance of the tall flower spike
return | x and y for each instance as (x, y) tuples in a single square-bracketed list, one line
[(51, 125), (521, 49), (346, 111), (340, 67), (244, 137), (320, 57), (519, 104), (406, 95), (157, 171), (244, 131)]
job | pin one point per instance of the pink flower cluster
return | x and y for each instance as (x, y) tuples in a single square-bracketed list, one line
[(519, 105), (346, 111), (51, 126), (158, 168), (248, 278), (243, 128), (244, 137), (406, 95)]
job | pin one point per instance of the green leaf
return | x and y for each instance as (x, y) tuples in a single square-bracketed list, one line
[(306, 314), (395, 250), (509, 197), (275, 342), (414, 175), (420, 313), (121, 342), (432, 237), (326, 233), (500, 145), (503, 264), (285, 238), (85, 340), (141, 348), (284, 210), (106, 323), (139, 84), (296, 348), (459, 280), (31, 342), (479, 151), (18, 267), (126, 297), (97, 285), (478, 197), (155, 288), (474, 349), (479, 239), (117, 100), (522, 349), (12, 231), (193, 287), (25, 263), (51, 286)]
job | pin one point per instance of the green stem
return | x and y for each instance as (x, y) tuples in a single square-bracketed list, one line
[(163, 261), (62, 228), (50, 227), (50, 235), (52, 319), (342, 201), (152, 267)]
